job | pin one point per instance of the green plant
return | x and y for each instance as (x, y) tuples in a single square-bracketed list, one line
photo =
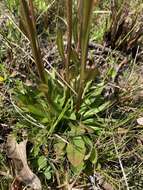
[(53, 108), (69, 122), (124, 29)]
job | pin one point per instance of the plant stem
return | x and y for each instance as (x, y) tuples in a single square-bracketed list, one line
[(84, 34), (28, 21), (69, 36), (32, 35), (69, 42), (79, 25), (31, 8)]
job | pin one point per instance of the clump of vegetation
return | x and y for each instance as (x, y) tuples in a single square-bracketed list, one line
[(125, 28), (78, 136)]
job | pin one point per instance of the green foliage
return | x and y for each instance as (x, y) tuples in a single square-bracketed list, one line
[(75, 142), (66, 114), (59, 147), (12, 5), (40, 5), (76, 151), (43, 167)]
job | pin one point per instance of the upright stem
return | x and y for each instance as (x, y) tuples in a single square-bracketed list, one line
[(28, 20), (69, 42), (79, 12), (29, 23), (85, 30), (69, 36), (31, 8)]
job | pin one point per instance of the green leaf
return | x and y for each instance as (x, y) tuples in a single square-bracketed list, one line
[(47, 173), (94, 156), (36, 110), (72, 116), (59, 148), (36, 150), (61, 115), (94, 111), (76, 130), (89, 145), (76, 151), (45, 120), (78, 168), (42, 162), (60, 44), (97, 90)]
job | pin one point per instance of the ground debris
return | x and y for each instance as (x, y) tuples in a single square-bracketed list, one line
[(17, 153)]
